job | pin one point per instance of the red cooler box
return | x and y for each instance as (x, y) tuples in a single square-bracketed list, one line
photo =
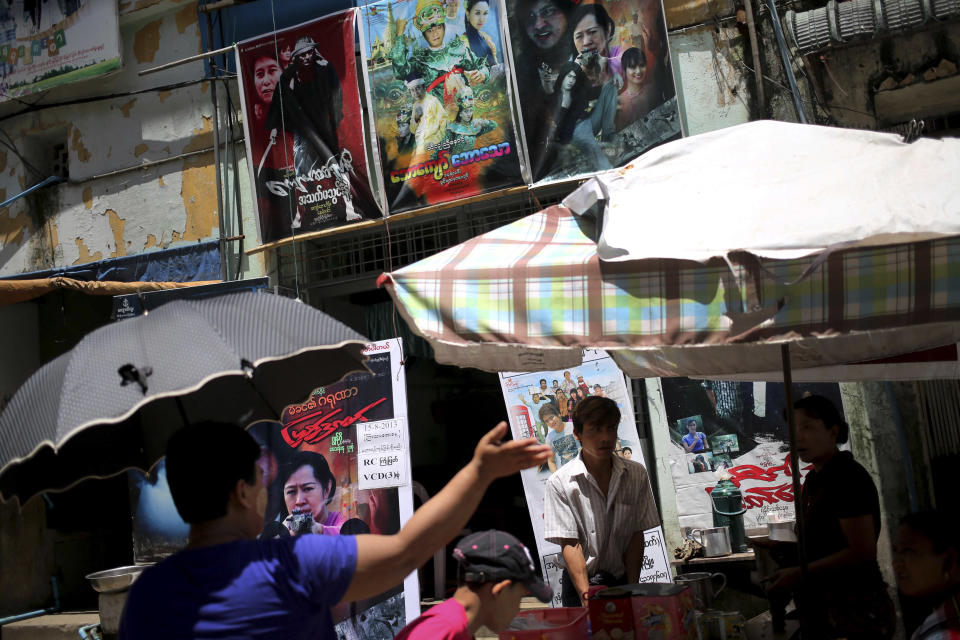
[(562, 623), (643, 612)]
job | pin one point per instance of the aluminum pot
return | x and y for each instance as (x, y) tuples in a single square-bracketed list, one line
[(715, 541), (702, 585)]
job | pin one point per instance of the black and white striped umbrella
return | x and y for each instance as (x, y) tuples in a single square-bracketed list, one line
[(112, 401)]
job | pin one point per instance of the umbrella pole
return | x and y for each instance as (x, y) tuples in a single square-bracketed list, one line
[(795, 473)]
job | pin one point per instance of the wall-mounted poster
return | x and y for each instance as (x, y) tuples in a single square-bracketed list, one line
[(310, 463), (737, 429), (438, 87), (309, 460), (541, 405), (594, 83), (47, 44), (304, 126)]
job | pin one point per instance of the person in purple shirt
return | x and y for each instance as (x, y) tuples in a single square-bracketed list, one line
[(227, 584)]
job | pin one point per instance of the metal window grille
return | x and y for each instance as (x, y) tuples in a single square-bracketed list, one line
[(349, 257), (940, 434)]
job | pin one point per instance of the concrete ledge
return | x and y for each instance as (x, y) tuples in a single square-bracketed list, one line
[(60, 626)]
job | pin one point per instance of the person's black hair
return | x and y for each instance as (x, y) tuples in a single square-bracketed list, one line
[(471, 3), (544, 381), (595, 410), (201, 481), (597, 11), (523, 7), (935, 526), (821, 408), (321, 471), (547, 410), (625, 449), (353, 527), (633, 57)]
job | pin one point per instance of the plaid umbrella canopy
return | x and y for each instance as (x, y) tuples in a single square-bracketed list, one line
[(676, 292), (531, 295)]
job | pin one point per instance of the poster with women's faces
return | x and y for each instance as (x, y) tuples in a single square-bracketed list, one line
[(594, 83), (439, 94), (310, 467), (304, 128)]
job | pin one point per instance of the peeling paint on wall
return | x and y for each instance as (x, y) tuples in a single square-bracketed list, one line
[(116, 226), (202, 138), (12, 229), (186, 17), (160, 181), (163, 95), (147, 41), (198, 176), (77, 144), (151, 242), (126, 108), (199, 199), (140, 149), (85, 255), (88, 198)]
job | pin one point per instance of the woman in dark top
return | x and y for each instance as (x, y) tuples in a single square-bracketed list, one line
[(844, 595)]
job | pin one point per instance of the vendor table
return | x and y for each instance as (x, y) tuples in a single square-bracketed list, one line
[(748, 556)]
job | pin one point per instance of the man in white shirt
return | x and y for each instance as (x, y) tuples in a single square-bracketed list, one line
[(598, 506)]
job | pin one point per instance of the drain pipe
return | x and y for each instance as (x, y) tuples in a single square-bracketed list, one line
[(39, 612), (787, 64), (224, 270), (755, 49)]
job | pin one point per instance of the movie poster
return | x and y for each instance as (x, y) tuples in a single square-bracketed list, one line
[(594, 83), (739, 429), (310, 468), (304, 126), (439, 92), (48, 44), (541, 405)]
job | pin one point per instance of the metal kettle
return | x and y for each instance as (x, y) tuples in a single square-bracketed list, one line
[(728, 510)]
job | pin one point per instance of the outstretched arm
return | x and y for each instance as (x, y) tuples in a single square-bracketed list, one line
[(384, 561)]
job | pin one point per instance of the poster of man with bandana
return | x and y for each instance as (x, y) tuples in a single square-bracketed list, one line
[(438, 88), (304, 127)]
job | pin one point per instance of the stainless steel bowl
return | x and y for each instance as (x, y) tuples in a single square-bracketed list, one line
[(781, 531), (114, 580)]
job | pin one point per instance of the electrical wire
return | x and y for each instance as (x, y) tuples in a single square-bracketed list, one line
[(286, 159), (111, 96)]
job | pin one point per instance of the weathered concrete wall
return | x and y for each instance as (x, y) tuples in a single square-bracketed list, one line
[(885, 424), (851, 76), (94, 217), (711, 85)]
